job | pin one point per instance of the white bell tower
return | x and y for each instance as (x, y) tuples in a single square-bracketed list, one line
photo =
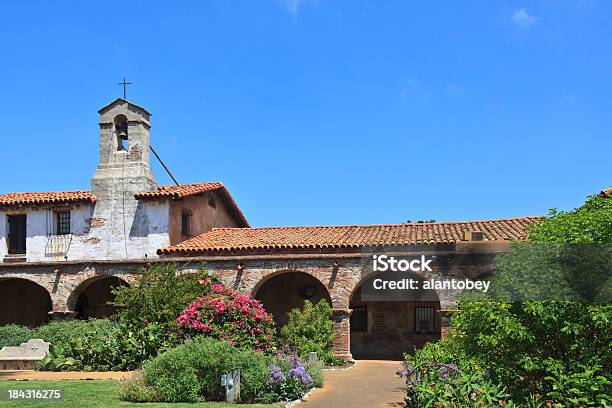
[(123, 223)]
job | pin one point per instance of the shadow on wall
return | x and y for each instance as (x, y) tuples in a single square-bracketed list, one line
[(288, 290), (93, 296), (386, 329), (23, 302)]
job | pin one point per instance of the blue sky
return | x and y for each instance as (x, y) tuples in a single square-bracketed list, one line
[(323, 112)]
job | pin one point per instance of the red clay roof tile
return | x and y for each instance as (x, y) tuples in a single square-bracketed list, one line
[(347, 236), (60, 197), (180, 191), (172, 192)]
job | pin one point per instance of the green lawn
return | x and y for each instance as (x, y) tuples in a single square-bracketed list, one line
[(89, 394)]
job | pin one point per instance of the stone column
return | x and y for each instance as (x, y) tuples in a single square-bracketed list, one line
[(447, 308), (342, 333)]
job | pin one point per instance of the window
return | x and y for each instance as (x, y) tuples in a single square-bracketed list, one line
[(359, 319), (424, 320), (63, 222), (17, 234), (186, 222)]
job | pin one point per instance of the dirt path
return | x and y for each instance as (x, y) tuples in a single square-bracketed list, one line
[(62, 375), (371, 383)]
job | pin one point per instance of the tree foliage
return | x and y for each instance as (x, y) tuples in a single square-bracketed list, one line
[(589, 224), (159, 294), (546, 334), (310, 329)]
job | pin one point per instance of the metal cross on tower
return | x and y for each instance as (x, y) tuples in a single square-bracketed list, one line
[(125, 84)]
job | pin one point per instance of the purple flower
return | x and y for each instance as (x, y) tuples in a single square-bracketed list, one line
[(294, 360), (276, 374), (411, 375), (445, 371), (300, 373)]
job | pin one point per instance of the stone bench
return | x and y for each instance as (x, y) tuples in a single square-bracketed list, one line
[(24, 356)]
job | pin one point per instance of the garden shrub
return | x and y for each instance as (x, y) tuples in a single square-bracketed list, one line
[(134, 389), (525, 343), (236, 318), (315, 369), (99, 345), (14, 335), (310, 329), (159, 294), (446, 385), (191, 372)]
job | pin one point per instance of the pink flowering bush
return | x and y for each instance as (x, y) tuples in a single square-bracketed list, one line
[(236, 318)]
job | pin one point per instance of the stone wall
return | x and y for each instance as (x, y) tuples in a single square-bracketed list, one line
[(64, 282)]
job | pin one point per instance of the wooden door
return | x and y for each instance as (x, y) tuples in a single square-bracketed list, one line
[(17, 234)]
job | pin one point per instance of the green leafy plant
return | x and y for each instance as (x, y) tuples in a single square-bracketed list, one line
[(100, 345), (192, 372), (447, 385), (14, 335), (310, 329), (582, 387), (134, 389), (159, 294), (541, 350)]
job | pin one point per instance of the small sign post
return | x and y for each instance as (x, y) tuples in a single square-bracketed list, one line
[(312, 357), (231, 382)]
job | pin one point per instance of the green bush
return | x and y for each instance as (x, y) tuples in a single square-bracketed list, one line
[(159, 294), (315, 369), (191, 372), (14, 335), (100, 345), (310, 329), (541, 350), (135, 390)]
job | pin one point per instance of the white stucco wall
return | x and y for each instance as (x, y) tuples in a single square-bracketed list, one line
[(146, 230)]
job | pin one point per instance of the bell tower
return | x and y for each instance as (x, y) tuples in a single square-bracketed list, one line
[(124, 149), (121, 228)]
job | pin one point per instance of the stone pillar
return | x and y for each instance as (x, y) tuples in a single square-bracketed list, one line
[(342, 333), (445, 319)]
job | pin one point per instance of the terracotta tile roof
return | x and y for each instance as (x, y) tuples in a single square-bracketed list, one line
[(185, 190), (180, 191), (606, 192), (60, 197), (347, 236)]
